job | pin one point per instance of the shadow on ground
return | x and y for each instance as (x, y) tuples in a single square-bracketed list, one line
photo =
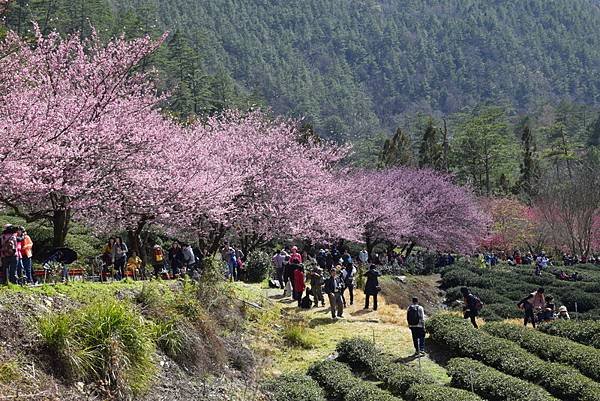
[(320, 321)]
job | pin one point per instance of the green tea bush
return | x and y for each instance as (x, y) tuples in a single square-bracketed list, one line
[(360, 354), (562, 381), (363, 356), (586, 332), (339, 383), (258, 266), (294, 387), (492, 384), (547, 347), (105, 342), (435, 392)]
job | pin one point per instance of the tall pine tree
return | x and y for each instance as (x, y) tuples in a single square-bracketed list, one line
[(529, 164), (397, 151), (594, 133), (430, 151)]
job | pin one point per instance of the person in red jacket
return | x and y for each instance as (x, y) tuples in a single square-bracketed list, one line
[(299, 286)]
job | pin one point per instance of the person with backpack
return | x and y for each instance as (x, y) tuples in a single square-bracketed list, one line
[(333, 287), (372, 287), (472, 306), (527, 307), (316, 284), (415, 317), (349, 275), (530, 304)]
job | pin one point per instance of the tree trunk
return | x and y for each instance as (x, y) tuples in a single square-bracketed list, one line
[(60, 224), (409, 249)]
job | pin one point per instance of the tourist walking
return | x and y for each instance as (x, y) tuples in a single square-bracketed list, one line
[(372, 287), (316, 285), (349, 275), (278, 261), (415, 316), (299, 283), (119, 256), (472, 306), (333, 287)]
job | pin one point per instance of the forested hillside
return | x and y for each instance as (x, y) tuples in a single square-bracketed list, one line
[(353, 67)]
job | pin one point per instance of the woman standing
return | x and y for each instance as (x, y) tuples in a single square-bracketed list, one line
[(119, 256)]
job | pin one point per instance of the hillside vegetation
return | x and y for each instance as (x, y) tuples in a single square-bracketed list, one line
[(355, 67)]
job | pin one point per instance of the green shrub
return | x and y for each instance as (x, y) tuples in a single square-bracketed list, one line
[(359, 353), (296, 334), (492, 384), (435, 392), (104, 342), (338, 382), (458, 278), (294, 387), (586, 332), (562, 381), (258, 266), (547, 347), (362, 356)]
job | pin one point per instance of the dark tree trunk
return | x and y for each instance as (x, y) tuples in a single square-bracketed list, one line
[(60, 224), (409, 249)]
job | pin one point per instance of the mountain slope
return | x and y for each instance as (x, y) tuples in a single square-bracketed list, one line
[(355, 66)]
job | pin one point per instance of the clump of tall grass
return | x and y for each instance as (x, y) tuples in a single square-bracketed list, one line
[(298, 335), (105, 342)]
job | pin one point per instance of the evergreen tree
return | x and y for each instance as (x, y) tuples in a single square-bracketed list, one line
[(529, 165), (397, 151), (430, 151), (594, 133)]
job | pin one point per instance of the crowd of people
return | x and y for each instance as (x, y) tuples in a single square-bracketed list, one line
[(330, 272), (178, 260)]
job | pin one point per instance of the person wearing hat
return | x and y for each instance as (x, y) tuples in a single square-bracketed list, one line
[(158, 260), (563, 313), (316, 284)]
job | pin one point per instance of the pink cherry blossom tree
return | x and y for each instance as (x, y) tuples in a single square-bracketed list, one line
[(74, 117)]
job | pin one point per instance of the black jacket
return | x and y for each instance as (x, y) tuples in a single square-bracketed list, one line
[(333, 285), (372, 285)]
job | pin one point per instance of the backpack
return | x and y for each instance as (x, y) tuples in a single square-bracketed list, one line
[(477, 303), (412, 315)]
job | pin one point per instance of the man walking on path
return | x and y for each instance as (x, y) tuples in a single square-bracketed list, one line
[(415, 316), (333, 287)]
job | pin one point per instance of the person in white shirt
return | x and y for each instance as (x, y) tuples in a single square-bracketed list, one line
[(363, 256)]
